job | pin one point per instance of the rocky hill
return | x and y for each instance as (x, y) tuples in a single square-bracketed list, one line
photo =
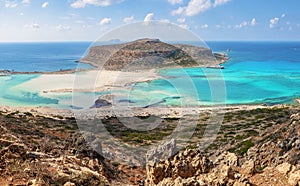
[(50, 150), (274, 159), (148, 54)]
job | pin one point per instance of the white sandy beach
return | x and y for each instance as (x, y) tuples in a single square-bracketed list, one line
[(87, 81)]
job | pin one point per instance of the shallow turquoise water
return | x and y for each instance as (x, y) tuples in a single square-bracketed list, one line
[(257, 73), (11, 95)]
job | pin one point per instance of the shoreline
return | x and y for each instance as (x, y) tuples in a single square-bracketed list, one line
[(86, 81), (107, 111), (67, 71)]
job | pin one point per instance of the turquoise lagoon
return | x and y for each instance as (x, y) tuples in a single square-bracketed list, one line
[(257, 73)]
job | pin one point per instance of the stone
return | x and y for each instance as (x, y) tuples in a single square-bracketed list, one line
[(248, 167), (101, 103), (162, 152), (294, 178), (228, 158), (284, 168), (237, 176), (33, 183), (69, 184)]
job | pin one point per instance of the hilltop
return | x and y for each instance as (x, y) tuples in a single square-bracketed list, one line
[(50, 150), (149, 54)]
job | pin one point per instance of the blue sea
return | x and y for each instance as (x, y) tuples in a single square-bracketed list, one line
[(257, 73), (41, 57)]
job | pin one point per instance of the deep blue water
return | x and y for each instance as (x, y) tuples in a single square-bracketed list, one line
[(257, 73), (41, 57)]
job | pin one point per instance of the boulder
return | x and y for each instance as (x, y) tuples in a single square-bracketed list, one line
[(248, 167), (294, 178), (101, 103), (69, 184), (284, 168), (161, 152)]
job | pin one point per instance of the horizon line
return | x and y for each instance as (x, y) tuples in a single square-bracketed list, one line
[(87, 41)]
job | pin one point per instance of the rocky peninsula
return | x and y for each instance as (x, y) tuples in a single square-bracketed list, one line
[(146, 53)]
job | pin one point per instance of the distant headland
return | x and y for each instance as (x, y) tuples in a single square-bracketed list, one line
[(151, 53)]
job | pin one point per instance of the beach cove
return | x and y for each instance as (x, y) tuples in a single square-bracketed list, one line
[(257, 73)]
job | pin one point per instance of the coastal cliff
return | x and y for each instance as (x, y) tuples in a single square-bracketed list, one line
[(148, 54)]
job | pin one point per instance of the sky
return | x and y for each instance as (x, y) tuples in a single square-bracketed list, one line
[(87, 20)]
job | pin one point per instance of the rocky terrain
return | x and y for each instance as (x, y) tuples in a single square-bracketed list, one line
[(272, 159), (149, 54), (254, 147)]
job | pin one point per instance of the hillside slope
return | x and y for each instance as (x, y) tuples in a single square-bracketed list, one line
[(149, 54)]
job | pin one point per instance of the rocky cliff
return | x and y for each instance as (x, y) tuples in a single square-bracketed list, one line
[(150, 53)]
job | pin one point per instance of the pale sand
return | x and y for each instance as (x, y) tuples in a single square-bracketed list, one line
[(87, 81), (163, 112)]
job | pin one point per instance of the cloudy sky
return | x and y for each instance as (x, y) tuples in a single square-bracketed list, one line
[(87, 20)]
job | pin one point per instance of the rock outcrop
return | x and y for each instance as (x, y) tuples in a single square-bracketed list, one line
[(191, 168), (273, 160)]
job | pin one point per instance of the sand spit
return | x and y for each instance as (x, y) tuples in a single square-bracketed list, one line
[(87, 81)]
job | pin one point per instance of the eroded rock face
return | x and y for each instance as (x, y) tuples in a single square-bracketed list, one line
[(162, 152), (191, 168), (274, 160)]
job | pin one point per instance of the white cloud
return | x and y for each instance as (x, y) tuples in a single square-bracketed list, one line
[(184, 26), (25, 2), (103, 3), (274, 22), (197, 6), (60, 28), (282, 15), (149, 17), (45, 4), (179, 11), (220, 2), (128, 19), (33, 26), (181, 20), (173, 2), (10, 4), (253, 22), (21, 14), (204, 26), (105, 21), (242, 24), (194, 7)]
